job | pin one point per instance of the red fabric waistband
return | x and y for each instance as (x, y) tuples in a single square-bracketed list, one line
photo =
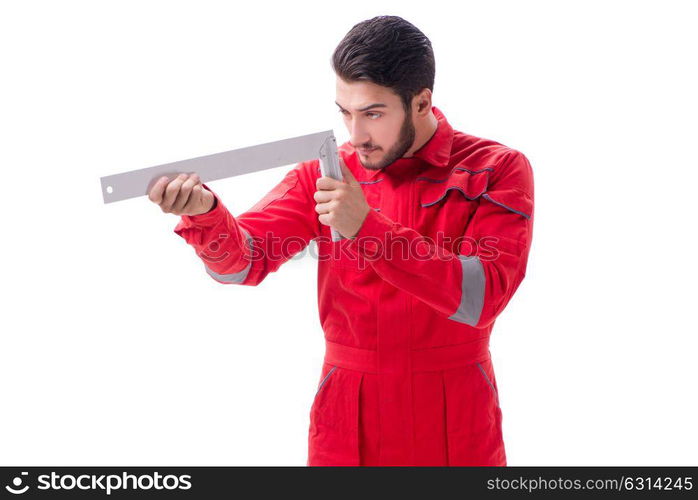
[(423, 360)]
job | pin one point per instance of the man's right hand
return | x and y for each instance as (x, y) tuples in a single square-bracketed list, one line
[(184, 195)]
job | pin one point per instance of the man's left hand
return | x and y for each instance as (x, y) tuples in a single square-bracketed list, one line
[(341, 204)]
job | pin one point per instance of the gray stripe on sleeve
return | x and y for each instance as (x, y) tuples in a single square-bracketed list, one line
[(472, 291), (238, 277)]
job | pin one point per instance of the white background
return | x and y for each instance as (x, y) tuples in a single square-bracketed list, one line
[(117, 348)]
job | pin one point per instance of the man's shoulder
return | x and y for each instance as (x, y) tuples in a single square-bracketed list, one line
[(476, 152)]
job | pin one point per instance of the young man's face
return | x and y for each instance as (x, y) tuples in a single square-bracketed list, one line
[(385, 129)]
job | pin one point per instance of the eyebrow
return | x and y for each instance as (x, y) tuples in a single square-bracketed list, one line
[(370, 106)]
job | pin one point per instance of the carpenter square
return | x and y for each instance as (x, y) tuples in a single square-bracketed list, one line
[(320, 145)]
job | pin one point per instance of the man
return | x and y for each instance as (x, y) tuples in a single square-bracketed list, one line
[(437, 226)]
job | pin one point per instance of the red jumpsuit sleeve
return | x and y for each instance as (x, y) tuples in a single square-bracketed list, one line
[(245, 249), (474, 284)]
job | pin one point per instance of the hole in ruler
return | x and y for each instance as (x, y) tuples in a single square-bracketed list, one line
[(110, 189)]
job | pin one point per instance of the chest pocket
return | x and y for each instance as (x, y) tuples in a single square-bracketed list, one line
[(372, 192), (447, 205), (470, 184)]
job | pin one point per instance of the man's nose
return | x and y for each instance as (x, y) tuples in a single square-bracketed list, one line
[(358, 136)]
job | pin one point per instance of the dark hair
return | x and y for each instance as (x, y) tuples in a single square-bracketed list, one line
[(387, 51)]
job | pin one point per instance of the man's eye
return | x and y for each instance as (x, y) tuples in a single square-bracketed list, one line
[(372, 115)]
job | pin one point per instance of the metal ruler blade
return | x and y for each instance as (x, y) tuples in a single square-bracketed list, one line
[(216, 166), (320, 145)]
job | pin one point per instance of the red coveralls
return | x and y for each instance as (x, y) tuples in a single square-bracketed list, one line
[(407, 377)]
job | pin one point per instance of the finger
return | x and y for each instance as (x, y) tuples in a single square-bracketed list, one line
[(155, 193), (185, 192), (325, 219), (171, 192), (207, 197), (324, 208), (323, 196), (327, 183), (348, 175), (195, 201)]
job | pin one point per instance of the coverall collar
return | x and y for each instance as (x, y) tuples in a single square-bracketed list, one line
[(436, 151)]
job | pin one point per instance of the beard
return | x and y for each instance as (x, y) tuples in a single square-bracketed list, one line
[(403, 144)]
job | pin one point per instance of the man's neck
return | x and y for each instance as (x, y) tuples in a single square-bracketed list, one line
[(423, 135)]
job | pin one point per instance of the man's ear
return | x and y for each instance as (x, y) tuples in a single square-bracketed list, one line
[(423, 100)]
